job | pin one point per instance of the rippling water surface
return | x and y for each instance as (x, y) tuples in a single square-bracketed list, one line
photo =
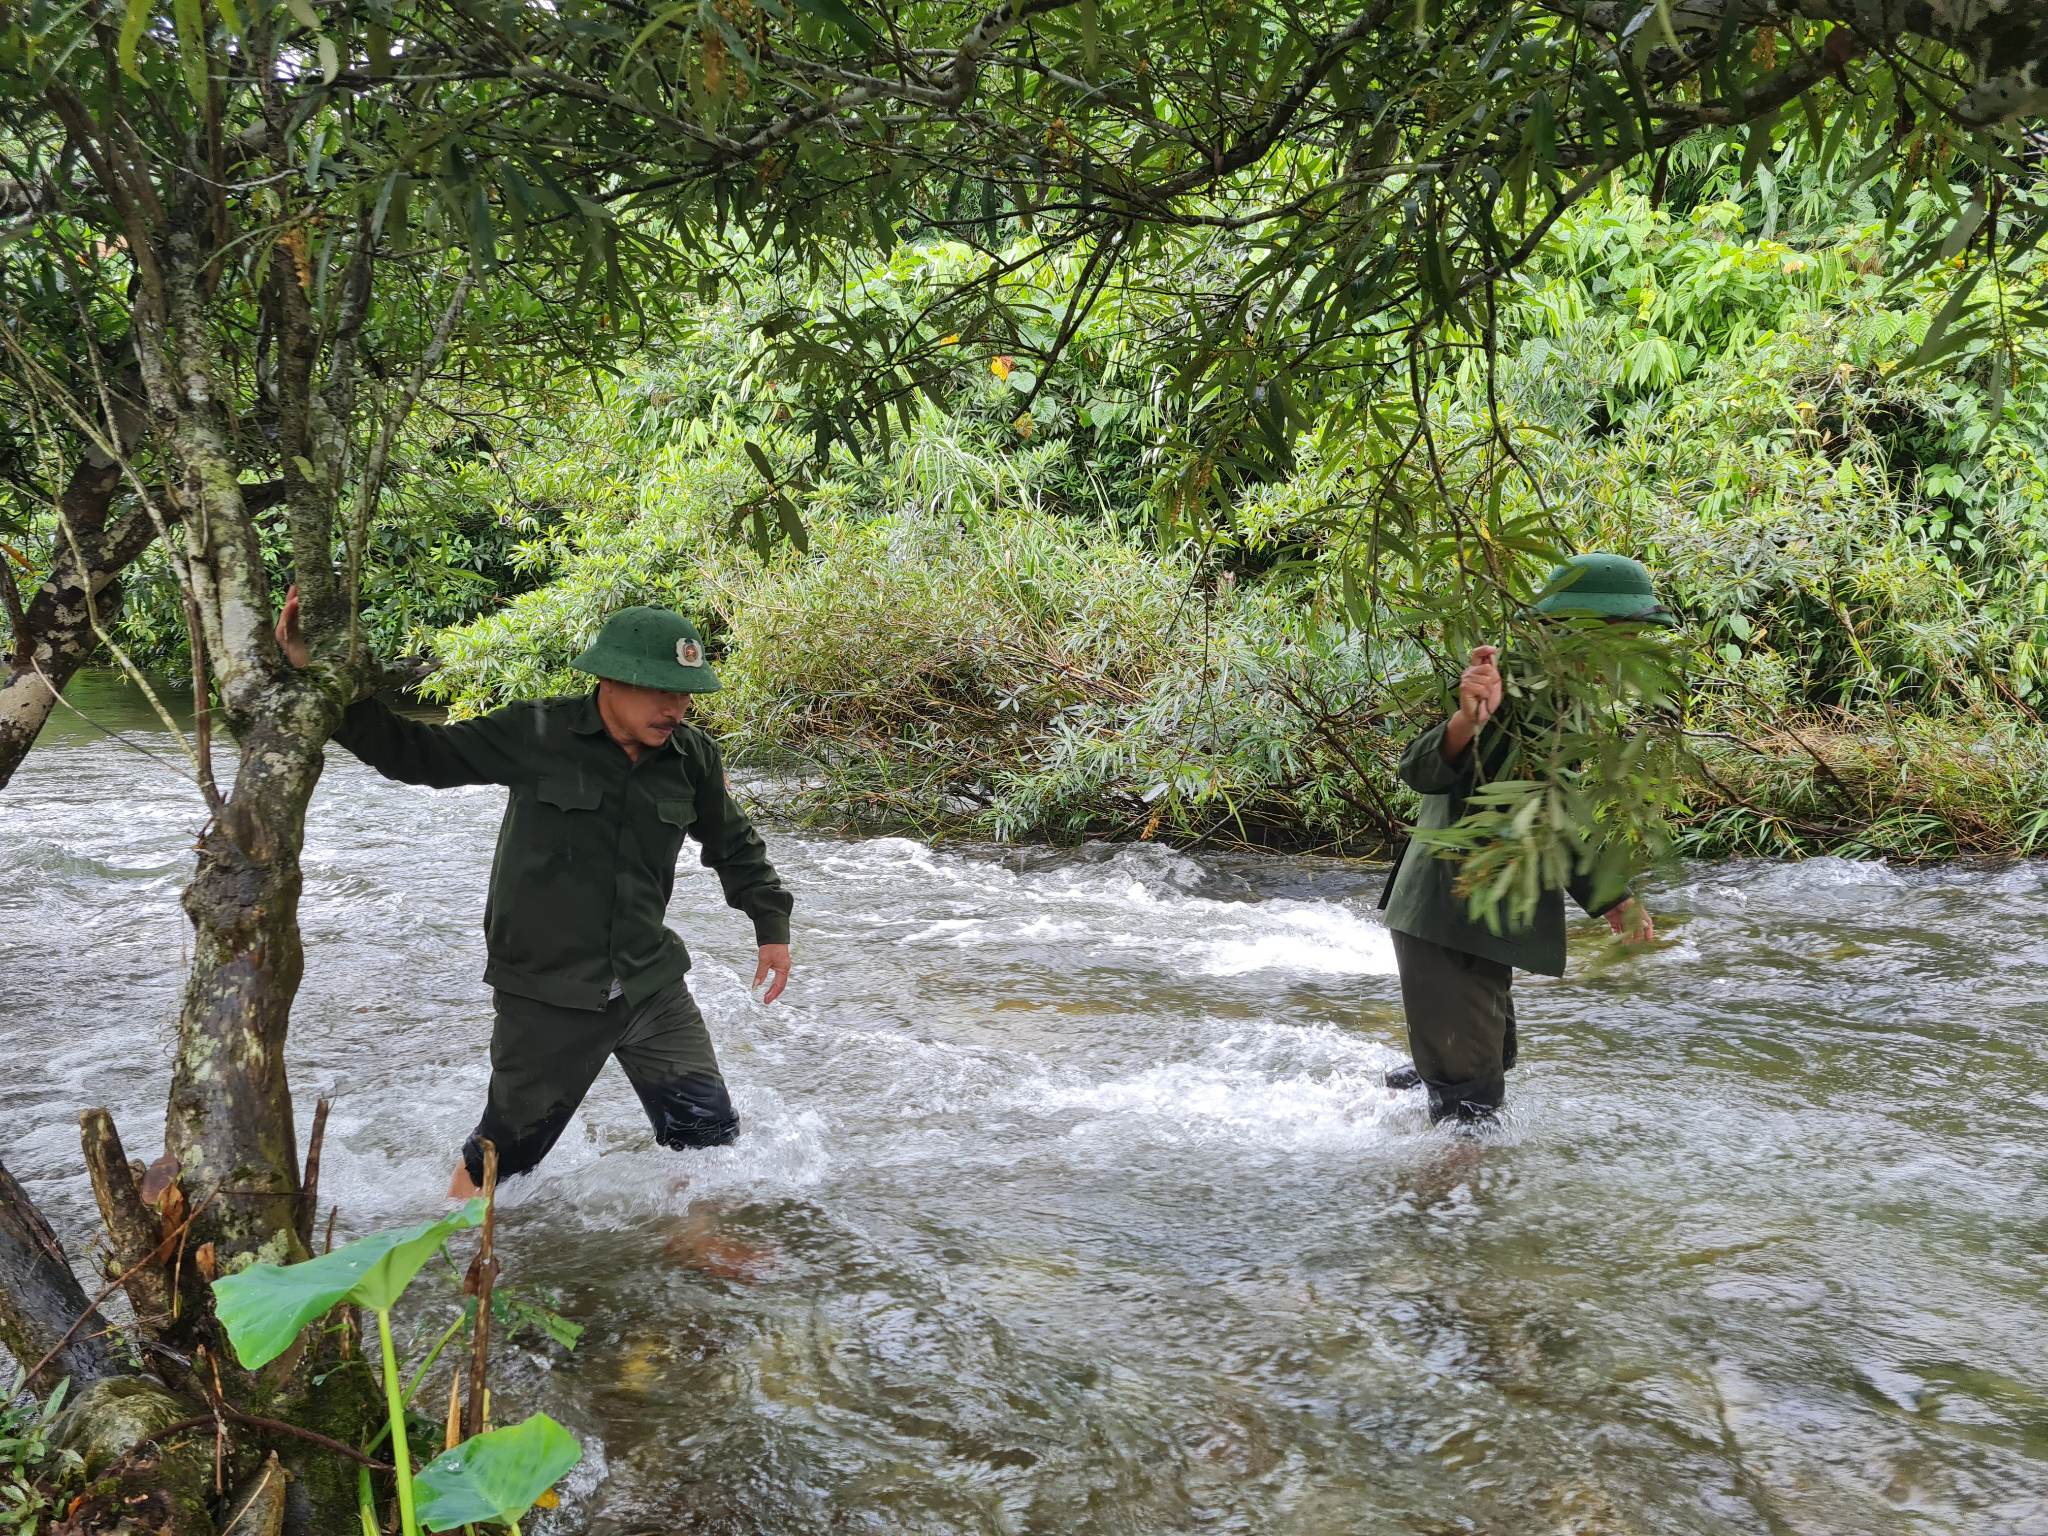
[(1079, 1206)]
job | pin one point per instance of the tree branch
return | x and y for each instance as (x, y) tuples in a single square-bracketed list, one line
[(41, 1301), (2005, 41), (370, 485), (964, 70)]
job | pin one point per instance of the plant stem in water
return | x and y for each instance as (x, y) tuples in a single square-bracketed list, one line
[(412, 1387), (401, 1457)]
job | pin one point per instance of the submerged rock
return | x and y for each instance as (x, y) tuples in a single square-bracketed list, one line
[(113, 1416)]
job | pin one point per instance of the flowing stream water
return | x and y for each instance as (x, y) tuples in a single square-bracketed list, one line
[(1078, 1206)]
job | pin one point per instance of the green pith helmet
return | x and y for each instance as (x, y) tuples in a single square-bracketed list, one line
[(652, 648), (1603, 587)]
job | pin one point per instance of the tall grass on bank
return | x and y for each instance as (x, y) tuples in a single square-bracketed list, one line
[(1921, 789), (1024, 676)]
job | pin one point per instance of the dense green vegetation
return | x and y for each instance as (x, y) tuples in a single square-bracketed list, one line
[(1013, 618), (1318, 333)]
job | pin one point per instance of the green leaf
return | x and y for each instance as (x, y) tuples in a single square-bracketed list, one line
[(513, 1311), (1757, 144), (1930, 345), (836, 12), (495, 1477), (1831, 146), (133, 24), (384, 202), (330, 59), (483, 229), (191, 27), (265, 1306), (1541, 132), (1816, 127), (1966, 225), (303, 12), (792, 524), (662, 20), (231, 15)]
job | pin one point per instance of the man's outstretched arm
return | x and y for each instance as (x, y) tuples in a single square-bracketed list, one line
[(481, 751), (734, 850)]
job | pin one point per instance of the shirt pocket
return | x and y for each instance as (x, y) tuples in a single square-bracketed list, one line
[(568, 793), (673, 816)]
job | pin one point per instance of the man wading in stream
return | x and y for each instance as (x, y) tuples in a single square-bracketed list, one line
[(1455, 971), (604, 787)]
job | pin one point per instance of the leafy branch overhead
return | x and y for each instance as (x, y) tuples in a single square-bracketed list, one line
[(1438, 130)]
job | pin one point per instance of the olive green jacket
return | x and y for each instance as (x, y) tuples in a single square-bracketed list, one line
[(587, 851), (1420, 900)]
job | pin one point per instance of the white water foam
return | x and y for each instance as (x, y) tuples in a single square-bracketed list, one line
[(576, 1488), (1794, 886), (1318, 938), (617, 1172), (1271, 1086), (1137, 901)]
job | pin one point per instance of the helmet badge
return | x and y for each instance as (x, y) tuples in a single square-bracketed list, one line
[(689, 653)]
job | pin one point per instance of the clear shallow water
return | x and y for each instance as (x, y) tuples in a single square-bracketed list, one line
[(1083, 1210)]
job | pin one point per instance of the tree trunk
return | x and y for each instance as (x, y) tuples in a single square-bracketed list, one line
[(229, 1121), (230, 1117), (41, 1301), (113, 1410), (229, 1136), (55, 637)]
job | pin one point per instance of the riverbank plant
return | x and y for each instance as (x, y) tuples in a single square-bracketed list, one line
[(32, 1464), (493, 1477)]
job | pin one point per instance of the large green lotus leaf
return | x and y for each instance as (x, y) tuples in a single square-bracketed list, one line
[(264, 1307), (494, 1477)]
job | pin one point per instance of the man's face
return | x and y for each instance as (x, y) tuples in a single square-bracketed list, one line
[(645, 716)]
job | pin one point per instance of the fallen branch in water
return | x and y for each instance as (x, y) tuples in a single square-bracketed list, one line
[(485, 1271), (309, 1184)]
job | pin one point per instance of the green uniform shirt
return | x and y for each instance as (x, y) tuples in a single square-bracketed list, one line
[(1420, 899), (587, 851)]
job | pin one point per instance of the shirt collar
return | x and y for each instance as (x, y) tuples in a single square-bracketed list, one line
[(586, 721)]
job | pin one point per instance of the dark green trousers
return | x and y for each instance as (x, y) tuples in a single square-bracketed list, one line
[(545, 1057), (1461, 1026)]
